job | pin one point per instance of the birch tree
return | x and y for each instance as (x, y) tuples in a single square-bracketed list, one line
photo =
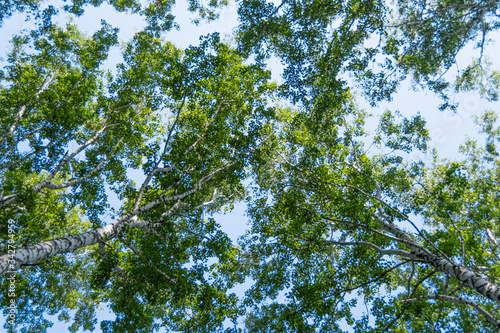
[(326, 45), (71, 133), (157, 13), (174, 133), (337, 231)]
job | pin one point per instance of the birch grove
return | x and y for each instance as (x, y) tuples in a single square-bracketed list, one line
[(118, 155)]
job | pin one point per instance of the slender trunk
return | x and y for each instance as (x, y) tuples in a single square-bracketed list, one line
[(467, 277), (32, 254), (11, 262), (464, 275)]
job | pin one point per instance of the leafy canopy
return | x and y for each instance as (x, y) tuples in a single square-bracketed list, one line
[(339, 217)]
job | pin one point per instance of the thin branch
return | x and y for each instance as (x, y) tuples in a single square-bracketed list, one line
[(76, 152), (353, 224), (22, 110), (406, 305), (464, 251), (155, 168), (24, 158), (491, 238), (211, 201), (461, 239), (404, 254), (402, 234), (15, 143), (206, 128), (488, 316), (377, 278), (150, 264), (77, 181), (176, 197)]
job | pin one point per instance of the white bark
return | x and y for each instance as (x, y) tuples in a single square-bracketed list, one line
[(464, 275), (35, 253), (440, 263)]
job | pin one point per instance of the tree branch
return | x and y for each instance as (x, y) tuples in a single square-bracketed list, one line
[(22, 110), (404, 254), (488, 316)]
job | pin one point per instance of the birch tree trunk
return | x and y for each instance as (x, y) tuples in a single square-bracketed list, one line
[(464, 275), (33, 254)]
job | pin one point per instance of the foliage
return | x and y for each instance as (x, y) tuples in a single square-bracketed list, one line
[(157, 13), (189, 120), (375, 42), (109, 177), (334, 228)]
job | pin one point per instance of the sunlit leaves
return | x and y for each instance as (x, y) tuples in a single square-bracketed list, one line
[(405, 136), (481, 78)]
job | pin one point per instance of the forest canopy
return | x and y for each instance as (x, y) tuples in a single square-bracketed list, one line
[(114, 169)]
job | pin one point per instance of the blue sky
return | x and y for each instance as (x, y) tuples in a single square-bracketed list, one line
[(447, 130)]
